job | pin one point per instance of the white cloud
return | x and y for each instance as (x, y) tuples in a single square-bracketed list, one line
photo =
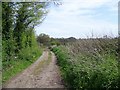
[(75, 18)]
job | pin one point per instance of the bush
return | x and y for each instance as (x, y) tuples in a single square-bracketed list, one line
[(88, 70)]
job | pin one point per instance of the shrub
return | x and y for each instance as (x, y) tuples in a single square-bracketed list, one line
[(84, 68)]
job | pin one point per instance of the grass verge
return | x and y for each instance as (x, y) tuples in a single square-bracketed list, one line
[(25, 58)]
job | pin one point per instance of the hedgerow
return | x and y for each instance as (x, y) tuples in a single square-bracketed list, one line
[(89, 69)]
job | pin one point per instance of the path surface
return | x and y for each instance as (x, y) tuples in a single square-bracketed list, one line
[(44, 73)]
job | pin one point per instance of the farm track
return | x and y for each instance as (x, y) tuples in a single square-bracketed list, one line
[(44, 73)]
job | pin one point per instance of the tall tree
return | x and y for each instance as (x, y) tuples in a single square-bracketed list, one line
[(7, 19), (44, 39), (7, 30), (18, 22), (28, 16)]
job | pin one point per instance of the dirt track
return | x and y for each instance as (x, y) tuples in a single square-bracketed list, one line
[(44, 73)]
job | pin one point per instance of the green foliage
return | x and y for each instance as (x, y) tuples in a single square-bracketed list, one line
[(54, 42), (44, 39), (25, 58), (88, 69), (19, 45)]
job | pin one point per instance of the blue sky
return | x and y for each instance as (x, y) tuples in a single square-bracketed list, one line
[(81, 18)]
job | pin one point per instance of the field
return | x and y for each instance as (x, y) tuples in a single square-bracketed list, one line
[(89, 63)]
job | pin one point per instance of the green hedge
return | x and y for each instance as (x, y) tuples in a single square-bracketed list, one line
[(87, 72)]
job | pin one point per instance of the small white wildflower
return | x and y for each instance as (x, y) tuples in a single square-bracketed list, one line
[(95, 49), (15, 57)]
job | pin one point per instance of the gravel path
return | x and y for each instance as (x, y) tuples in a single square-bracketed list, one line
[(44, 73)]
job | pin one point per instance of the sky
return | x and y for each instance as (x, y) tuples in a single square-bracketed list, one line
[(81, 19)]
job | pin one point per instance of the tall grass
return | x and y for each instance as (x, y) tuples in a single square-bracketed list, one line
[(89, 63)]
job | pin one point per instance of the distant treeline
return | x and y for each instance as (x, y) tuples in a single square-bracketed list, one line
[(48, 41)]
